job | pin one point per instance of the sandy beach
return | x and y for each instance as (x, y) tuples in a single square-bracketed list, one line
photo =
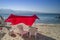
[(45, 32), (50, 30)]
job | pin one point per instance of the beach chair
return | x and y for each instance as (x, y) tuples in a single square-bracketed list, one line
[(33, 32), (21, 31), (10, 29)]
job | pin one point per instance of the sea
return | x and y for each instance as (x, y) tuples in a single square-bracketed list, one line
[(43, 18)]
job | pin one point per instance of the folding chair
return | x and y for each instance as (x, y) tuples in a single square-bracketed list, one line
[(21, 30), (33, 32)]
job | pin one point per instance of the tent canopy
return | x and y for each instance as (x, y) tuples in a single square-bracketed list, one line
[(28, 20)]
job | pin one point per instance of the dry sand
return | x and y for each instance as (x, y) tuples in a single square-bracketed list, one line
[(47, 31), (50, 30)]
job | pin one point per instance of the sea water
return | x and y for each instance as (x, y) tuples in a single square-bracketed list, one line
[(49, 18), (43, 18)]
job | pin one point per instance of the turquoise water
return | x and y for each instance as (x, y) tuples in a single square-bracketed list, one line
[(43, 18)]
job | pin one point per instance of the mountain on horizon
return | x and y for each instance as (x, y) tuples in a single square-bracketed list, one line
[(9, 11)]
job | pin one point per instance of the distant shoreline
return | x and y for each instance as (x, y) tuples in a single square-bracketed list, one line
[(46, 24)]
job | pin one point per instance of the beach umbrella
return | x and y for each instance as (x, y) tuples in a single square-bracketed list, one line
[(28, 20), (2, 23)]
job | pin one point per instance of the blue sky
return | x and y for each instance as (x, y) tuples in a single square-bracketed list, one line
[(46, 6)]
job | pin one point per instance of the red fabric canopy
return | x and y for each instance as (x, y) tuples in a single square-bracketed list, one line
[(28, 20)]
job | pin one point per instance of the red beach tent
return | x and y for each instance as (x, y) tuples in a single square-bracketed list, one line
[(28, 20)]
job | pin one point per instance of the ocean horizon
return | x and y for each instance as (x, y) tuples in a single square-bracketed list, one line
[(43, 18)]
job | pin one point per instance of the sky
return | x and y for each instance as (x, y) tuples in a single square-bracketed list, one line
[(45, 6)]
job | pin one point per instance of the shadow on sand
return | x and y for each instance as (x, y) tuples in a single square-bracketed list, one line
[(38, 37)]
